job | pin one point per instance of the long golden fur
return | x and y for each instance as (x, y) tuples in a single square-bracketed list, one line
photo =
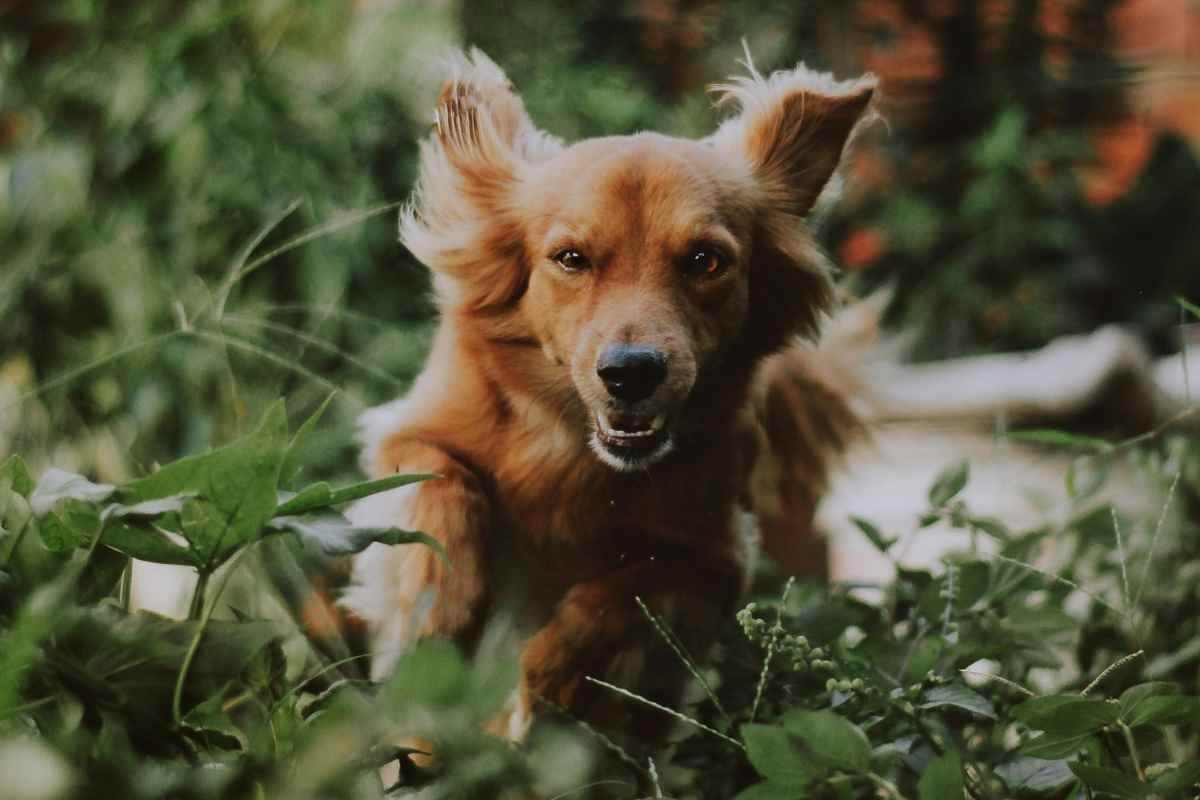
[(617, 392)]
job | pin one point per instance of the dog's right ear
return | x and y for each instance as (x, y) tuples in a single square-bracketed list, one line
[(461, 223)]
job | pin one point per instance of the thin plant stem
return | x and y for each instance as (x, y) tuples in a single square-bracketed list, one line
[(776, 632), (1162, 518), (669, 711), (1133, 751), (194, 645), (683, 655)]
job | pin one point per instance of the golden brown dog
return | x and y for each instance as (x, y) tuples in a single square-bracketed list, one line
[(616, 393)]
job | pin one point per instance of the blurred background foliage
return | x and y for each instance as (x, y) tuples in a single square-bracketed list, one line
[(1035, 176)]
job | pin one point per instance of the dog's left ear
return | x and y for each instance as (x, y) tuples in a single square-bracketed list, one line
[(792, 129)]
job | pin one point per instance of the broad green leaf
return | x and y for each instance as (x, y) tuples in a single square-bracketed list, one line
[(830, 740), (960, 696), (1063, 438), (70, 526), (211, 716), (319, 495), (1134, 695), (1055, 746), (942, 779), (236, 484), (1182, 778), (1035, 774), (14, 471), (56, 486), (1067, 715), (1110, 781), (1165, 710), (881, 542), (146, 509), (949, 483), (335, 535), (777, 757), (146, 542)]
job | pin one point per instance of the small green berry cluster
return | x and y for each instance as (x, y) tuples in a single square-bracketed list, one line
[(791, 648)]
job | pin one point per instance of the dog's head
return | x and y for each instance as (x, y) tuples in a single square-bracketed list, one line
[(645, 266)]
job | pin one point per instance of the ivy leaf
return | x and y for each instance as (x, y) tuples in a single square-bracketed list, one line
[(1111, 781), (942, 778), (334, 535), (56, 486), (947, 485), (960, 696), (830, 740)]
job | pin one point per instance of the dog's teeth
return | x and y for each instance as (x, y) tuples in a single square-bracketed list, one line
[(657, 423)]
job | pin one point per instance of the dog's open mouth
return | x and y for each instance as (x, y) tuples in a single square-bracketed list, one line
[(629, 441)]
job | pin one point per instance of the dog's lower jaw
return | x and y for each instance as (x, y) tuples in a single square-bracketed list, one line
[(630, 462)]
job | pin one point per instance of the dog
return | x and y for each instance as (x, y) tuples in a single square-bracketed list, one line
[(619, 392)]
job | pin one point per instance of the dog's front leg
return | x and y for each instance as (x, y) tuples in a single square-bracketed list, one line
[(407, 592), (600, 631)]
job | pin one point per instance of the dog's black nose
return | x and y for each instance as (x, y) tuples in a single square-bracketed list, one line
[(630, 372)]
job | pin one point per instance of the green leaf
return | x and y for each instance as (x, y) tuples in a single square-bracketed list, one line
[(1191, 308), (236, 485), (881, 542), (1182, 778), (147, 509), (1035, 774), (211, 716), (1061, 438), (146, 542), (776, 756), (942, 778), (1132, 697), (319, 495), (334, 535), (949, 483), (1067, 715), (1110, 781), (1055, 746), (1165, 710), (16, 474), (830, 740), (56, 486), (960, 696)]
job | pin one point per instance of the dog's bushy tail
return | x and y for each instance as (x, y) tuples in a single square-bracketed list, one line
[(807, 401)]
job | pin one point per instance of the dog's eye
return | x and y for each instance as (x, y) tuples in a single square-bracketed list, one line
[(572, 260), (705, 262)]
